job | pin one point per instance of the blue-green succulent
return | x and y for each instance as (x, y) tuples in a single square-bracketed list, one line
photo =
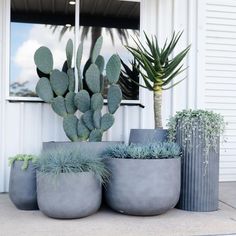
[(58, 89)]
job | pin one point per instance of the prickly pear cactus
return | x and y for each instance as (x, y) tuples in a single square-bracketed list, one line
[(58, 89)]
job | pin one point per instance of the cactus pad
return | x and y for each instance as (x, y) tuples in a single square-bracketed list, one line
[(58, 105), (97, 115), (100, 62), (44, 60), (70, 127), (44, 90), (82, 100), (107, 121), (95, 136), (114, 97), (88, 119), (97, 101), (59, 82), (71, 76), (69, 101), (69, 52), (82, 131), (92, 77), (96, 49), (113, 68)]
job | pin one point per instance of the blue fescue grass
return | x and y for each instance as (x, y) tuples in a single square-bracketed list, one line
[(57, 161), (150, 151)]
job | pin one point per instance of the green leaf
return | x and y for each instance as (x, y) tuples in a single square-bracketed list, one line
[(82, 100), (96, 49), (59, 82), (69, 101), (44, 60), (113, 68), (44, 90), (58, 105), (92, 77), (69, 52), (70, 127)]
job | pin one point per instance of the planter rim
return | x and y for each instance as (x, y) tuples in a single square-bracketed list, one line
[(72, 173), (150, 129), (83, 142), (144, 159)]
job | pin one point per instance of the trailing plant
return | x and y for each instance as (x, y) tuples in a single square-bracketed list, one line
[(206, 124), (58, 89), (58, 161), (158, 68), (22, 157), (150, 151)]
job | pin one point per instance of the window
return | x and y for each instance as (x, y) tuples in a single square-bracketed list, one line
[(52, 22)]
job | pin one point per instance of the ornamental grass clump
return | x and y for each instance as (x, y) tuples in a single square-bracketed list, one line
[(60, 161), (206, 124), (22, 157), (163, 150)]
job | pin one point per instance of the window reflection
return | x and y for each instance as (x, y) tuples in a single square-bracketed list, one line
[(117, 22), (34, 24)]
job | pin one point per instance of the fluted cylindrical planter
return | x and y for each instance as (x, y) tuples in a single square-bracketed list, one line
[(199, 176), (145, 136), (22, 186)]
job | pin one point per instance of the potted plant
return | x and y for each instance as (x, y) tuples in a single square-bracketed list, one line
[(145, 179), (58, 89), (198, 134), (22, 185), (158, 69), (69, 183)]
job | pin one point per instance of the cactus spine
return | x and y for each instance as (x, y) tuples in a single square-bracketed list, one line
[(58, 89)]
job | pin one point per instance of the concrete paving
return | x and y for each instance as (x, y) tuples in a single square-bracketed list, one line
[(176, 222)]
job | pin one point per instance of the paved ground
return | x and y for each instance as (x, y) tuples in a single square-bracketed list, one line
[(108, 223)]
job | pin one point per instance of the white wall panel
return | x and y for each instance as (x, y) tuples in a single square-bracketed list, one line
[(209, 26), (220, 80)]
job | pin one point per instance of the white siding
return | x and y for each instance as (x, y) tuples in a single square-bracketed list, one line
[(209, 26), (220, 74)]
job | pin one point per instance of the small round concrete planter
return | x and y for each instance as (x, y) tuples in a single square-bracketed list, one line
[(145, 136), (68, 195), (22, 186), (143, 187)]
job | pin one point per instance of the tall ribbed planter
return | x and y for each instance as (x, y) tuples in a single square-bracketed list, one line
[(199, 180)]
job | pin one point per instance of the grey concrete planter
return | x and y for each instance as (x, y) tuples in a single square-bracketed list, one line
[(68, 196), (94, 148), (143, 187), (22, 186), (146, 136), (199, 181)]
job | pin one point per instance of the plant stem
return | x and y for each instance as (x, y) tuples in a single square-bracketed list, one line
[(157, 98)]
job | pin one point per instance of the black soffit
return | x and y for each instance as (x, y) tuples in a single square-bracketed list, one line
[(99, 13)]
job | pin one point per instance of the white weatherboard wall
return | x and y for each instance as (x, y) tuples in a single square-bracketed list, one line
[(24, 126), (220, 74)]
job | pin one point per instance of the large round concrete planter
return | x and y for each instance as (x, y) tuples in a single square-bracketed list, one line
[(93, 148), (22, 186), (143, 187), (199, 180), (69, 195), (145, 136)]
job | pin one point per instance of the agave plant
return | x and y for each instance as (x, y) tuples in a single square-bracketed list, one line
[(158, 68)]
